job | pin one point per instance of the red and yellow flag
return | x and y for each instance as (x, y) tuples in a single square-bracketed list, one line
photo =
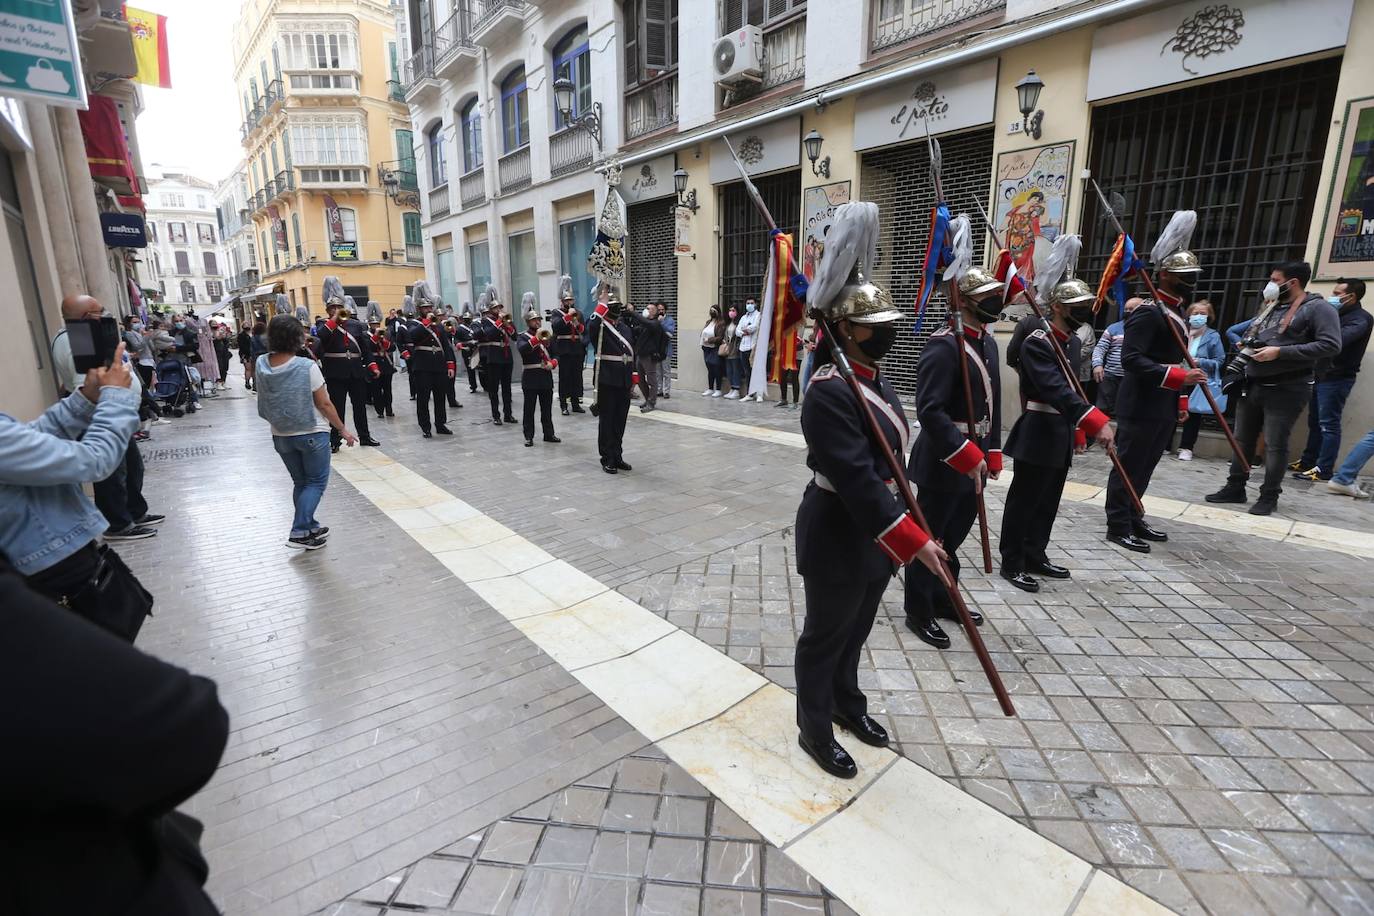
[(149, 32), (788, 311)]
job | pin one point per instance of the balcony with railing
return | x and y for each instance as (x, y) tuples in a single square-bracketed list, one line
[(285, 181), (415, 253), (513, 170), (395, 90), (417, 74), (897, 22), (454, 48), (651, 107), (784, 60), (495, 20), (570, 150), (438, 201), (272, 96), (472, 188), (245, 279), (251, 122)]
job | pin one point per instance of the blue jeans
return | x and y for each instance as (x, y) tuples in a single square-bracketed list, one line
[(1324, 423), (1358, 457), (307, 461)]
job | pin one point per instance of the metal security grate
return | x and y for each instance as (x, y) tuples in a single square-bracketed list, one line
[(1245, 153), (898, 181), (744, 236), (177, 454), (651, 261)]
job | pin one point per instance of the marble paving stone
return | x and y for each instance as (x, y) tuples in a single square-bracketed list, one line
[(599, 629), (1106, 896)]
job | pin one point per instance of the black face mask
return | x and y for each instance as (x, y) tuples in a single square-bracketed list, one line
[(988, 310), (1185, 286), (1079, 316), (884, 336)]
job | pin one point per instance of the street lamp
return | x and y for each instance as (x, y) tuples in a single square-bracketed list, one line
[(679, 185), (590, 121), (812, 143), (1027, 95)]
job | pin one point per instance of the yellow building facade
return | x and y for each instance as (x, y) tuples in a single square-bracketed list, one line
[(329, 150)]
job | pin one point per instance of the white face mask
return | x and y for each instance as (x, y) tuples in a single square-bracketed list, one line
[(648, 313), (1271, 291), (749, 306)]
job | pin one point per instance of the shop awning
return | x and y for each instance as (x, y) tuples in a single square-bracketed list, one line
[(224, 304), (266, 289)]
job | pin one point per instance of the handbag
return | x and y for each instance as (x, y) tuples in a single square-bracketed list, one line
[(1197, 401), (106, 592)]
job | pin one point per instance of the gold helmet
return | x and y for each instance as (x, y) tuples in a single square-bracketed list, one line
[(1072, 291), (1182, 261), (863, 302), (978, 281)]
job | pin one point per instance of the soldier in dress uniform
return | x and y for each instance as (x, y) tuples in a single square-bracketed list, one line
[(569, 347), (432, 363), (1149, 401), (853, 532), (536, 375), (948, 468), (465, 341), (1055, 422), (496, 354), (450, 331), (379, 387), (346, 361), (612, 328)]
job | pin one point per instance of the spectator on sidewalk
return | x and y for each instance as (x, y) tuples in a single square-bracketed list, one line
[(119, 495), (732, 360), (220, 334), (1334, 383), (665, 366), (748, 331), (1343, 481), (293, 399), (116, 741), (244, 342), (1106, 361), (1285, 344), (1204, 344), (651, 350), (712, 342)]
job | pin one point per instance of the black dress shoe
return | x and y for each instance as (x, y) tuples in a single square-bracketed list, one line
[(609, 468), (623, 465), (565, 410), (1145, 532), (552, 439), (427, 434), (380, 415), (443, 430), (1022, 581), (389, 412), (832, 758), (369, 441), (1050, 570), (948, 613), (930, 633), (865, 729), (457, 405), (1227, 495), (495, 421), (509, 419), (529, 443), (333, 448), (577, 408), (1130, 542)]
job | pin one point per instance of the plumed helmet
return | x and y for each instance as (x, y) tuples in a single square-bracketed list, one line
[(283, 305), (333, 291), (1171, 253), (1072, 291), (422, 294), (350, 307), (492, 296), (1181, 262), (565, 289), (408, 305), (527, 302), (613, 295), (842, 288), (976, 281)]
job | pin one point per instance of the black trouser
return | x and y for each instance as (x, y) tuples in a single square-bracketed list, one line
[(544, 398), (839, 616), (950, 513), (429, 384), (145, 375), (342, 390), (496, 380), (614, 408), (792, 377), (1139, 445), (471, 367), (715, 369), (570, 380), (380, 390), (223, 367), (452, 391), (1191, 427), (1028, 516), (1274, 410), (1106, 394), (119, 497)]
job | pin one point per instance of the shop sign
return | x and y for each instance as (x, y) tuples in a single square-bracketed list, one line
[(1198, 39), (766, 148), (648, 180), (946, 101), (682, 232), (39, 56), (818, 212), (124, 230), (1347, 248), (1031, 203), (343, 251)]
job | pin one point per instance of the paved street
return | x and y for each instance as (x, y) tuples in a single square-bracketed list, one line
[(514, 684)]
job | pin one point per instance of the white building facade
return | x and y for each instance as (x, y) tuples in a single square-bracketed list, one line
[(236, 233), (185, 258)]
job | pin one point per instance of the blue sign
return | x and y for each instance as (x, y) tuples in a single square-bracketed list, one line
[(124, 230)]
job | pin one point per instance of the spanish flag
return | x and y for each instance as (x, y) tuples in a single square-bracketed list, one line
[(149, 32)]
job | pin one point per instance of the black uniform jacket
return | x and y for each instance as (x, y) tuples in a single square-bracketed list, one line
[(494, 342), (944, 453), (1149, 357), (567, 339), (466, 341), (429, 348), (614, 361), (1053, 417), (851, 524), (345, 350), (382, 347), (533, 354)]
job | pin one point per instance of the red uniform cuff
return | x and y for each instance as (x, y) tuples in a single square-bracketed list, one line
[(994, 460), (1080, 438), (1091, 423), (1183, 403), (405, 354), (966, 457), (601, 309), (903, 539), (1173, 378), (451, 365)]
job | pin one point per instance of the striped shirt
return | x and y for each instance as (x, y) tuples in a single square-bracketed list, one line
[(1107, 353)]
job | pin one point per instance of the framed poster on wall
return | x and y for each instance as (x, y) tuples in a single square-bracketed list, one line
[(1031, 201), (1346, 248), (818, 211)]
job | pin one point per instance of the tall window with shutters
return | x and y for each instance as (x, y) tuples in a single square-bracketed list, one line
[(211, 263), (438, 157), (471, 132), (572, 58), (183, 261), (188, 291), (515, 111), (405, 159), (784, 40), (650, 65)]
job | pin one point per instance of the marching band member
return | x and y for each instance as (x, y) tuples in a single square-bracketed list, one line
[(536, 374)]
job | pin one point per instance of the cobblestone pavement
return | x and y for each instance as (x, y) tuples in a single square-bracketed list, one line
[(1197, 721)]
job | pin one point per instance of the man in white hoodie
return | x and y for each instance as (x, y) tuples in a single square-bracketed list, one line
[(747, 329)]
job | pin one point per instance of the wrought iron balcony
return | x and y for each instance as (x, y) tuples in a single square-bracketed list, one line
[(438, 201), (570, 150), (513, 170), (897, 22), (472, 188), (396, 90), (495, 19), (651, 107), (453, 43), (418, 73), (415, 253), (285, 181)]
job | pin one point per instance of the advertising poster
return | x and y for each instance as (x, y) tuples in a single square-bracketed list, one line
[(1348, 232), (818, 210), (1031, 201)]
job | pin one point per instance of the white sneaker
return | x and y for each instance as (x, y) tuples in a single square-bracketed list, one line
[(733, 395), (715, 394), (707, 393), (1353, 490), (1185, 454)]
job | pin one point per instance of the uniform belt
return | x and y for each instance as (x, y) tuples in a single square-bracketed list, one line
[(980, 429), (343, 355), (613, 358), (568, 337), (491, 343), (824, 483), (1041, 407), (428, 349)]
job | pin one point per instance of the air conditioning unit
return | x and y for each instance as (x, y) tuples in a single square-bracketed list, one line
[(738, 57)]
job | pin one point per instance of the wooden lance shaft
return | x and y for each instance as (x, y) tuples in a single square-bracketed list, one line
[(956, 308)]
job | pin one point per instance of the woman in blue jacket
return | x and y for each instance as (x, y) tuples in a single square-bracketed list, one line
[(1204, 343)]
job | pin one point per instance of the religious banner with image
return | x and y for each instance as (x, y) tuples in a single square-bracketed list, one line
[(1031, 201), (1347, 248), (333, 218), (818, 210)]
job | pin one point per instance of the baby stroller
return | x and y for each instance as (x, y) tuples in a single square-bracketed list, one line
[(172, 390)]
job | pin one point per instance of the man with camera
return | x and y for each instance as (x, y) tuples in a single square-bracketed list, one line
[(1273, 375)]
